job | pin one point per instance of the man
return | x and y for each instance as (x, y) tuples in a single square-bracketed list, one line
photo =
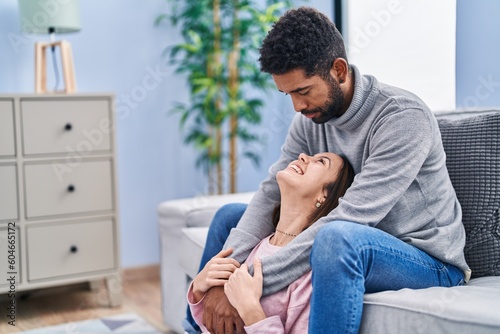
[(399, 224)]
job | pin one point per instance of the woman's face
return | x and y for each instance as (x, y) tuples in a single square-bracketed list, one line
[(309, 174)]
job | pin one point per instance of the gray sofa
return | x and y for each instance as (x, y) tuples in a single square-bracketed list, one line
[(472, 145)]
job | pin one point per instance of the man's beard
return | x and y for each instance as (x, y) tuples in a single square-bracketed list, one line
[(333, 105)]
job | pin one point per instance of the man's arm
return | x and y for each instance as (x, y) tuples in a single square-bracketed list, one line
[(398, 150), (399, 147)]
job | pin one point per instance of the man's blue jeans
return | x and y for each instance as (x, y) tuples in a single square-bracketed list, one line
[(348, 259)]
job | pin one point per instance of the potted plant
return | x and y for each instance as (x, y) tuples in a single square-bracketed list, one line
[(219, 56)]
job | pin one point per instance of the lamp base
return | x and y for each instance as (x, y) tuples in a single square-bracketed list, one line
[(41, 67)]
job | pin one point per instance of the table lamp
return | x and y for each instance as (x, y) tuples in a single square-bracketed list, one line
[(51, 17)]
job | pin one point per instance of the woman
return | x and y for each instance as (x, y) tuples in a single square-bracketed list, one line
[(310, 188)]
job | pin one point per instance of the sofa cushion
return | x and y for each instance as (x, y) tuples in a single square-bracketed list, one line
[(472, 146), (472, 308)]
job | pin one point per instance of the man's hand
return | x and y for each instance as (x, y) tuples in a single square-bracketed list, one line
[(218, 315)]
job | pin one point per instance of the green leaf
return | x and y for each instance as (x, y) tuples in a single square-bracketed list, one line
[(160, 18)]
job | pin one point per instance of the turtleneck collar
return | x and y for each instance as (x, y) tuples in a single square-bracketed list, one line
[(365, 93)]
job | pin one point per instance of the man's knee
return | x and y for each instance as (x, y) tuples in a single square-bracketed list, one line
[(336, 231), (333, 239)]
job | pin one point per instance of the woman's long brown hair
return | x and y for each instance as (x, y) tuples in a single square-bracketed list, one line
[(334, 191)]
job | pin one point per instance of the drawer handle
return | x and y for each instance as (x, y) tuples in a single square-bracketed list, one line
[(73, 249), (71, 188), (68, 127)]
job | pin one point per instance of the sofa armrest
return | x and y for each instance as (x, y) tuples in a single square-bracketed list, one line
[(196, 211), (175, 215), (191, 251)]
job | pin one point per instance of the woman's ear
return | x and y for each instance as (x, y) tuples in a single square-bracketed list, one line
[(322, 198), (324, 195)]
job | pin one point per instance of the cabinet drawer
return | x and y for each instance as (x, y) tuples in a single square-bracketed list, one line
[(11, 234), (7, 143), (69, 249), (65, 126), (8, 193), (56, 188)]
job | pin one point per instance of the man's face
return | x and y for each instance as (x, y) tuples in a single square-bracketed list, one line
[(314, 97)]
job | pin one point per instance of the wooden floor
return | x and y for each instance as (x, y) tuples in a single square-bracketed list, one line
[(141, 294)]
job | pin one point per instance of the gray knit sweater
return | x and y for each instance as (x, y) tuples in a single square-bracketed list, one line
[(401, 186)]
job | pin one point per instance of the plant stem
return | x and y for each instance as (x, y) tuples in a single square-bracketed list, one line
[(218, 100), (234, 56)]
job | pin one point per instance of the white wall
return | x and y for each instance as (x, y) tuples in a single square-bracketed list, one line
[(408, 44)]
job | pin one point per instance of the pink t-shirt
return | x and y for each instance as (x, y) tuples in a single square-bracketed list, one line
[(287, 310)]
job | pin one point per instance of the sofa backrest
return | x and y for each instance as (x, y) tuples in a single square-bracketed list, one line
[(472, 146)]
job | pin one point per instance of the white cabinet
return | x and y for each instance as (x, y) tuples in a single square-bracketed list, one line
[(87, 188), (56, 126), (70, 249), (8, 192), (7, 147), (58, 188), (4, 260)]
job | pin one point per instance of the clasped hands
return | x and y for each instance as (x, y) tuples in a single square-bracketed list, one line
[(232, 295)]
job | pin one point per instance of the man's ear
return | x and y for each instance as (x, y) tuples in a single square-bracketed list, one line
[(340, 70)]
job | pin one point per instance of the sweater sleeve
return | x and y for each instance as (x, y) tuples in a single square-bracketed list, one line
[(269, 325), (399, 145)]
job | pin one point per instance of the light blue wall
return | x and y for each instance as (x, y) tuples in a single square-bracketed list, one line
[(116, 50), (478, 54)]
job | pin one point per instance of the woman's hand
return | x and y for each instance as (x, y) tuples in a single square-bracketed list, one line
[(215, 273), (244, 291)]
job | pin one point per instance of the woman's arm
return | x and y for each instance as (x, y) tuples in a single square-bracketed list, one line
[(244, 292), (215, 273)]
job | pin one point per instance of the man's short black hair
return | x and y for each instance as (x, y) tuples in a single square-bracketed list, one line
[(304, 39)]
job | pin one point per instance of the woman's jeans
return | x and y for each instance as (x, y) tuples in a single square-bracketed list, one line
[(348, 260)]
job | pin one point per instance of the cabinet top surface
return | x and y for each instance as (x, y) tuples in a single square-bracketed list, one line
[(55, 96)]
